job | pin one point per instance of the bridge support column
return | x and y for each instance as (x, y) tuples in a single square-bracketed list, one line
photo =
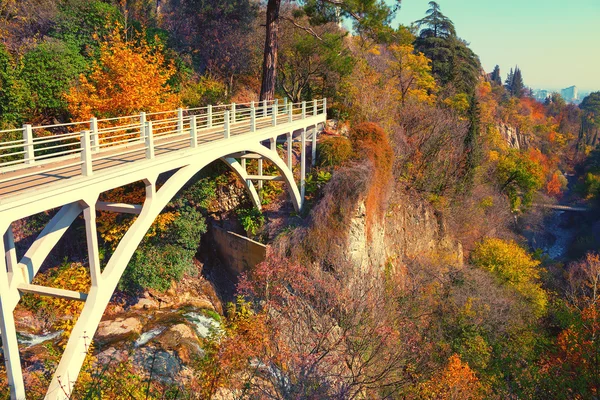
[(10, 346), (302, 164), (314, 147), (260, 172), (91, 235), (290, 150)]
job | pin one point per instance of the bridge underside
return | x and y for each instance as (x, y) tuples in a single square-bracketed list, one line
[(81, 197)]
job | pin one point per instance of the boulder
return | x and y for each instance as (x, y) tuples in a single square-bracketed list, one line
[(182, 339), (118, 329)]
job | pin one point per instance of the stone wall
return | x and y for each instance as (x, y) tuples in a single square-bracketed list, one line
[(237, 252)]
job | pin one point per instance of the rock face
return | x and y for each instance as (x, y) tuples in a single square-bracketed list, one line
[(410, 228), (512, 136)]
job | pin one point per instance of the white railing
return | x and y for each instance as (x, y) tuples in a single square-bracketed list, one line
[(83, 143)]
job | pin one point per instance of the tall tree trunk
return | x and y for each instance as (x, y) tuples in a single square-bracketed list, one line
[(269, 72)]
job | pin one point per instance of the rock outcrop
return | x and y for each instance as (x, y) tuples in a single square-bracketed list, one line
[(513, 136), (410, 228)]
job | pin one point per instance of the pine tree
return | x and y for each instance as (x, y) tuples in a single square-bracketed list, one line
[(517, 87), (509, 81), (452, 61), (496, 77)]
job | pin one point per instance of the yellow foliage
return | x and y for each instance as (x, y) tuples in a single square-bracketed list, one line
[(72, 276), (413, 74), (129, 77), (458, 102), (515, 267)]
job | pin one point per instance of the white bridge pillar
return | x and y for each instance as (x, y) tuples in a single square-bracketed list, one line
[(8, 297)]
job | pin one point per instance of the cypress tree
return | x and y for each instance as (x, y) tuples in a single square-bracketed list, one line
[(496, 77), (517, 87), (472, 146)]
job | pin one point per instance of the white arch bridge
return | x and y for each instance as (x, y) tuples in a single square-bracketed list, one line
[(68, 166)]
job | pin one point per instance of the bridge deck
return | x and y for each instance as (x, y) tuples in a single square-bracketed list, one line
[(37, 177)]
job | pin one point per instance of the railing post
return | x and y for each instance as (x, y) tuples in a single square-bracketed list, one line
[(315, 108), (290, 110), (209, 116), (180, 120), (277, 105), (95, 140), (86, 154), (285, 103), (303, 109), (252, 118), (149, 141), (264, 108), (233, 113), (274, 116), (142, 126), (28, 144), (226, 124), (193, 132), (325, 105)]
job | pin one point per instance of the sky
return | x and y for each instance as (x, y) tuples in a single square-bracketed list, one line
[(555, 43)]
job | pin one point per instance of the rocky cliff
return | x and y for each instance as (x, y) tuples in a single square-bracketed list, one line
[(410, 229), (513, 136)]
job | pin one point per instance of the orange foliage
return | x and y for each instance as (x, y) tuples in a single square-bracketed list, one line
[(534, 108), (128, 78), (456, 381), (373, 142), (536, 156), (554, 185)]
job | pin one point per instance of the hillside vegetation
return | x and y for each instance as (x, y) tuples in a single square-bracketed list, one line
[(416, 128)]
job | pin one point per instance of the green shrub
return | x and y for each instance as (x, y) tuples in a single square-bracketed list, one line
[(251, 219), (80, 21), (49, 70), (333, 151), (13, 93), (167, 254), (206, 91), (316, 180)]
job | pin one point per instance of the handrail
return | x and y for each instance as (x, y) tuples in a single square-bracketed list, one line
[(38, 145)]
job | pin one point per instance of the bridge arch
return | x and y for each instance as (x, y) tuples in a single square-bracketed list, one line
[(99, 296)]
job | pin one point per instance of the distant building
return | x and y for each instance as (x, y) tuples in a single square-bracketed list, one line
[(541, 94), (570, 94)]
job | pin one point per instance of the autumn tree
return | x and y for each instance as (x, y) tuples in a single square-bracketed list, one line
[(217, 36), (128, 78), (590, 120), (413, 74), (574, 366), (369, 17), (456, 382), (309, 64), (514, 267), (519, 177)]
